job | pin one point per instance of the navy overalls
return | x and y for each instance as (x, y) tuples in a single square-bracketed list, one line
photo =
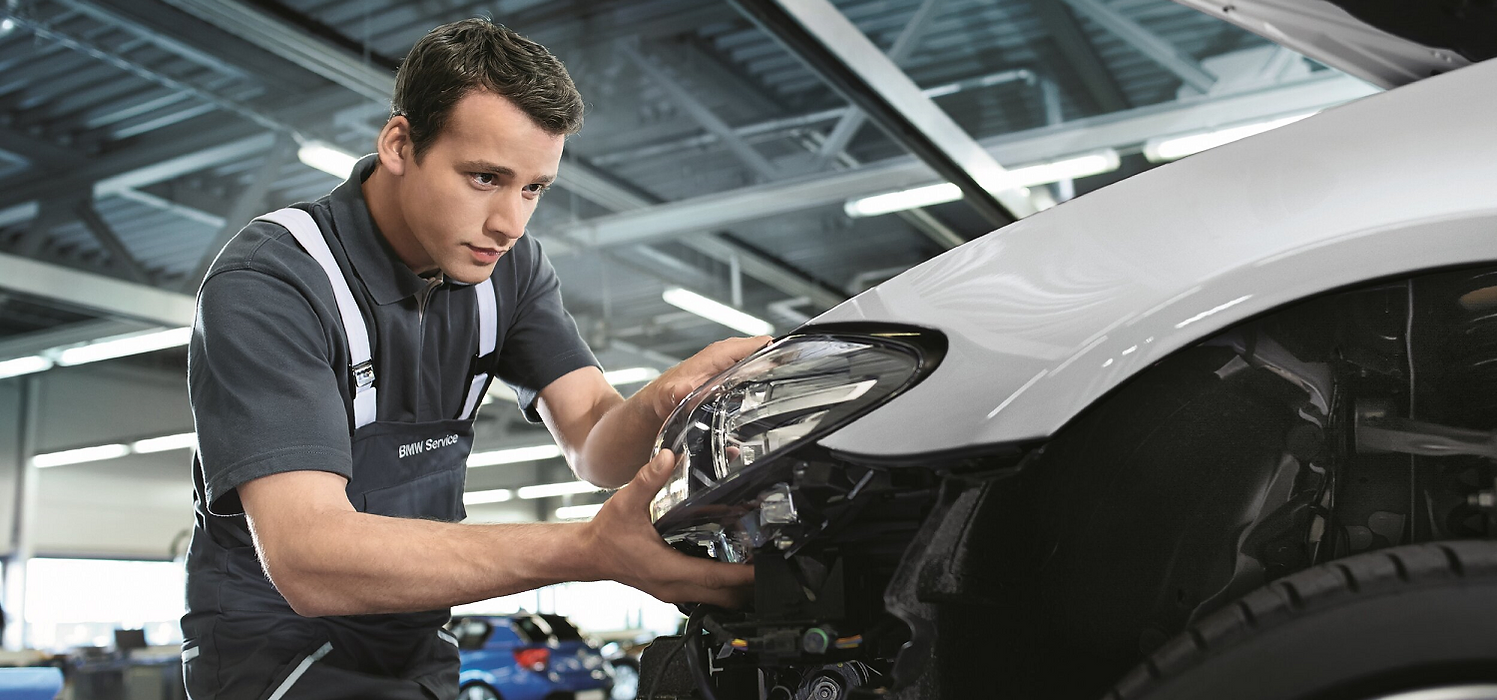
[(256, 647)]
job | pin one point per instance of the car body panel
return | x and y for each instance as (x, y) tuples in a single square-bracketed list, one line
[(1047, 315), (1437, 41)]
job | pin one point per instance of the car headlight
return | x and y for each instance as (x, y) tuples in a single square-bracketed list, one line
[(788, 394)]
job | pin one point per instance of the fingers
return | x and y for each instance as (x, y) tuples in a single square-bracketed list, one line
[(714, 583), (727, 598), (739, 348), (651, 477)]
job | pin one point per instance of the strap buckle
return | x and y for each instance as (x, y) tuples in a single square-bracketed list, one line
[(363, 374), (484, 364)]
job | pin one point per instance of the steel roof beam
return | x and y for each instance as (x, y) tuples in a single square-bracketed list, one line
[(1148, 43), (702, 114), (1080, 56), (67, 334), (203, 143), (88, 48), (103, 295), (249, 203), (600, 189), (166, 37), (785, 126), (118, 253), (847, 127), (1117, 130), (821, 37), (294, 44), (581, 24), (38, 149), (339, 65)]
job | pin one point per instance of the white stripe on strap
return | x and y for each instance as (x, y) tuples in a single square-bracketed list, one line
[(447, 637), (305, 230), (301, 668), (488, 332)]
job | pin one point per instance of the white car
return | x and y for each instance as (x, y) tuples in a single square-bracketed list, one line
[(1223, 430)]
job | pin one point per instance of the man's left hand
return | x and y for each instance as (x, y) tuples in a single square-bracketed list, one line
[(670, 388)]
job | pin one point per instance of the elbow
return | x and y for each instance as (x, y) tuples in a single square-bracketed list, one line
[(299, 587), (307, 605), (594, 476), (589, 470), (308, 600)]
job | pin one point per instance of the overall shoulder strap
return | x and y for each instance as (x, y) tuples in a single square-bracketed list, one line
[(488, 335), (305, 230)]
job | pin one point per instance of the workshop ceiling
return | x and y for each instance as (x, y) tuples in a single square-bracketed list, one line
[(136, 135)]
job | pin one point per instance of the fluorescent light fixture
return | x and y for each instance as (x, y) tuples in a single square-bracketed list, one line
[(1172, 147), (632, 375), (490, 496), (929, 195), (718, 312), (180, 441), (513, 455), (24, 365), (567, 488), (578, 512), (1084, 165), (82, 454), (333, 161), (124, 345)]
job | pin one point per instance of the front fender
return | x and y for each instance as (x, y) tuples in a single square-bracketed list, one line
[(1048, 315)]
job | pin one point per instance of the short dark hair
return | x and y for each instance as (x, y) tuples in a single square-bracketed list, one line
[(472, 54)]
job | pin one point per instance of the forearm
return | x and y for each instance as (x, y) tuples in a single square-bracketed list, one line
[(351, 563), (619, 442), (605, 437)]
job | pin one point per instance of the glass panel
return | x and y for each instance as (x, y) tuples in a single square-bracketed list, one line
[(81, 602)]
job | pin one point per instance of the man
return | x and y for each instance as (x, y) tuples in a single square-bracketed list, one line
[(338, 356)]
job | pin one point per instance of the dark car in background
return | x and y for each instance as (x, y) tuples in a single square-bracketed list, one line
[(525, 656)]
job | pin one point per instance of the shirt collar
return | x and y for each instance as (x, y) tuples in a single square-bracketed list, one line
[(383, 273)]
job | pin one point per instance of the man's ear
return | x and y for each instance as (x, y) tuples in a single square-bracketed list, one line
[(394, 145)]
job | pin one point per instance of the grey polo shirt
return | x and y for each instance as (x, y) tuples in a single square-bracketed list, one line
[(268, 362)]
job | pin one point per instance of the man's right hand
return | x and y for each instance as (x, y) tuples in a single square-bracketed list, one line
[(627, 549)]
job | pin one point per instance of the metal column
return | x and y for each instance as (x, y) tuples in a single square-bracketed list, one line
[(23, 534)]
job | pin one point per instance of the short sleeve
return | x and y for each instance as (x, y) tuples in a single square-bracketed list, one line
[(264, 396), (541, 344)]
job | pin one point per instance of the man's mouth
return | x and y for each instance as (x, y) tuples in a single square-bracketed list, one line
[(484, 255)]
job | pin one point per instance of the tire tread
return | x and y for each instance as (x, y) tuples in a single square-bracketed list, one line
[(1302, 593)]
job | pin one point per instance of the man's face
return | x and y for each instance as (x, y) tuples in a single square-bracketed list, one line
[(469, 198)]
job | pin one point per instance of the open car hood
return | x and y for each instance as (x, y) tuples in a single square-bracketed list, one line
[(1385, 42)]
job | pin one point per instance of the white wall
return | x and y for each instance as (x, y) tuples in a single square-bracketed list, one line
[(137, 506), (129, 508)]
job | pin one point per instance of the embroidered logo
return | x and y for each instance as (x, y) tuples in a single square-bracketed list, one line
[(421, 446)]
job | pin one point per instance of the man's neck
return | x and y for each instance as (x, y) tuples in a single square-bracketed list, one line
[(383, 199)]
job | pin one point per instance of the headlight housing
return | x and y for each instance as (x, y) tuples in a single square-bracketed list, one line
[(732, 431)]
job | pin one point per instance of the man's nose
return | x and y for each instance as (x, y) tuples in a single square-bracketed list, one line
[(507, 218)]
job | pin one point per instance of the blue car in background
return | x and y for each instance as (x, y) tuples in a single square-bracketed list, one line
[(525, 656)]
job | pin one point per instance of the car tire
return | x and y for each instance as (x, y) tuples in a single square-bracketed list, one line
[(1368, 627), (478, 691), (625, 679)]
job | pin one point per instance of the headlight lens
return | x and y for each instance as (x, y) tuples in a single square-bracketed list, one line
[(785, 395)]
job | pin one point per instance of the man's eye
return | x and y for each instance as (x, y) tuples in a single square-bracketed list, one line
[(537, 189), (483, 178)]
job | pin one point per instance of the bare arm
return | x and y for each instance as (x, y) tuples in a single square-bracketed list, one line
[(326, 558), (606, 438)]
